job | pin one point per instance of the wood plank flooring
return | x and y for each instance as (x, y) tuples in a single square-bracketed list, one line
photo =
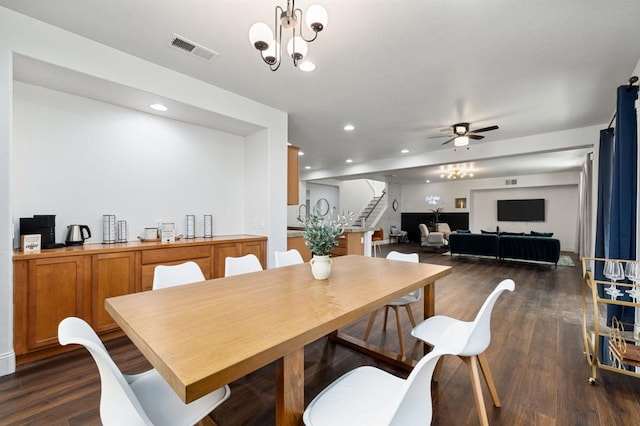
[(536, 356)]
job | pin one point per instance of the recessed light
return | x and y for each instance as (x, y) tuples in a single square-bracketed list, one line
[(349, 127), (404, 151), (427, 181), (158, 107), (300, 153), (307, 167), (307, 66), (349, 160)]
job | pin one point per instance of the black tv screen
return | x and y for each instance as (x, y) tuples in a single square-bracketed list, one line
[(531, 210)]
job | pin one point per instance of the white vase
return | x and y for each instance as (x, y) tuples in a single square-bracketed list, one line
[(321, 267)]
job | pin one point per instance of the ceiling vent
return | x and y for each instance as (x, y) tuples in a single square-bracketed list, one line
[(511, 182), (192, 48)]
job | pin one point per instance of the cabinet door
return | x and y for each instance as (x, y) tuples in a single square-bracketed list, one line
[(254, 247), (220, 253), (112, 275), (293, 174), (56, 290)]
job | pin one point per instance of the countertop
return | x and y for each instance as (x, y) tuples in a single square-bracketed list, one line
[(293, 232)]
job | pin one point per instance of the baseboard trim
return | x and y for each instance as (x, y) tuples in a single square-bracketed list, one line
[(7, 363)]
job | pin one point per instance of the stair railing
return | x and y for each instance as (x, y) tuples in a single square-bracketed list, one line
[(366, 218)]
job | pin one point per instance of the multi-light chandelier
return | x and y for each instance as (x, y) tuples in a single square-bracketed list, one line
[(456, 174), (270, 47)]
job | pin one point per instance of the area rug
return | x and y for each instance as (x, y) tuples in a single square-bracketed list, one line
[(565, 260)]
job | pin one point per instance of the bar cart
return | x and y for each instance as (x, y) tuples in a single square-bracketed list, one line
[(614, 347)]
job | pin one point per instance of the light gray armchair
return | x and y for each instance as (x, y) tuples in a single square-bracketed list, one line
[(431, 239), (445, 229)]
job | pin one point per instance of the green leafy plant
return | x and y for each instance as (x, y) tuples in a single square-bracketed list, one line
[(321, 232), (436, 214)]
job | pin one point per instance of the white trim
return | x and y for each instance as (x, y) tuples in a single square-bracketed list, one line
[(7, 363)]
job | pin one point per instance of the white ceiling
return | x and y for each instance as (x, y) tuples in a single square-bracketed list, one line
[(399, 70)]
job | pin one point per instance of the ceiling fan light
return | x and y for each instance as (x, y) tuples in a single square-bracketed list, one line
[(260, 35), (461, 141), (460, 130), (316, 18)]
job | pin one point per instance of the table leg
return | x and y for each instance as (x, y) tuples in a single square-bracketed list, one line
[(429, 309), (290, 388)]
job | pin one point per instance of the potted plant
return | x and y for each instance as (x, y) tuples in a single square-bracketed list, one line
[(321, 233)]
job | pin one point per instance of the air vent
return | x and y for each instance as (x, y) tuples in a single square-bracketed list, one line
[(192, 48), (511, 182)]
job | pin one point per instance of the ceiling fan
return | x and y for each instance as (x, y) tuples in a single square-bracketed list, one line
[(461, 134)]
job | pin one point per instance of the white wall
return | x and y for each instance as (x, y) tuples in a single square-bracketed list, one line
[(79, 159), (355, 195), (561, 212), (562, 188), (260, 193)]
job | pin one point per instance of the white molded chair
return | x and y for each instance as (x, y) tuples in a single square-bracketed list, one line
[(141, 399), (431, 239), (241, 265), (475, 344), (171, 275), (286, 258), (370, 396), (404, 301)]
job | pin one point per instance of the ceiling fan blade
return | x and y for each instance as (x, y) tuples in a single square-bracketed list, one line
[(446, 142), (476, 137), (484, 129), (440, 136)]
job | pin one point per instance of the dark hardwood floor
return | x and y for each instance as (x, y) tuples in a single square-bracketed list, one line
[(536, 356)]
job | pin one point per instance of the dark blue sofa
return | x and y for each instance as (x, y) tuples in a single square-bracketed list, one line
[(519, 247), (477, 244)]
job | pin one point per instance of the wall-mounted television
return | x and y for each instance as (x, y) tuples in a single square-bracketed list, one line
[(529, 210)]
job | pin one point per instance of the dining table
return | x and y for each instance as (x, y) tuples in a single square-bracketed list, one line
[(204, 335)]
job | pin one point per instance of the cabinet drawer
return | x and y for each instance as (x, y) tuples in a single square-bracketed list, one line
[(174, 254)]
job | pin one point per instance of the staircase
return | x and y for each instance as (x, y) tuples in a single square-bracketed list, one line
[(371, 211)]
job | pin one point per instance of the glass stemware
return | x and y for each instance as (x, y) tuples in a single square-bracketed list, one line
[(614, 271)]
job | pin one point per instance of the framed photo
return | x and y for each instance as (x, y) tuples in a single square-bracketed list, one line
[(461, 203), (168, 233)]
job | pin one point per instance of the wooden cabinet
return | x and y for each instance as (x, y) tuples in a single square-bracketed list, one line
[(111, 275), (222, 251), (293, 174), (349, 243), (75, 281), (52, 290)]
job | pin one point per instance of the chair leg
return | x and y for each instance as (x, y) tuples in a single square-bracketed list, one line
[(399, 325), (436, 371), (372, 319), (472, 363), (411, 317), (386, 315), (488, 378)]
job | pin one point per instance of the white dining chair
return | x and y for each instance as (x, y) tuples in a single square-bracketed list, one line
[(286, 258), (171, 275), (476, 342), (369, 396), (403, 302), (141, 399), (241, 265)]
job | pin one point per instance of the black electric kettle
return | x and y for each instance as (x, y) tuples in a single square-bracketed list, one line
[(76, 235)]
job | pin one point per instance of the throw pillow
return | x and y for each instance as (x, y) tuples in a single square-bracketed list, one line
[(488, 232), (512, 233), (463, 231), (541, 234)]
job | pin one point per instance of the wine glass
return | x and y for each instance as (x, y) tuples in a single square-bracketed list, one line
[(614, 271), (632, 272)]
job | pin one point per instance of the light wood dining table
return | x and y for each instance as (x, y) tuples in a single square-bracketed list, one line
[(202, 336)]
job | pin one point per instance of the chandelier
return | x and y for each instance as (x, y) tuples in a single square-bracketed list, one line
[(456, 174), (270, 47)]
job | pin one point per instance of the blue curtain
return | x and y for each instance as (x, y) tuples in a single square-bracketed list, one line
[(618, 192), (603, 207)]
